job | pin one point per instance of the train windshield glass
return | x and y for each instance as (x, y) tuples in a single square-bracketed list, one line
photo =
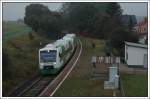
[(50, 56)]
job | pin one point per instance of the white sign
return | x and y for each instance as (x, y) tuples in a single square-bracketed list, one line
[(106, 60)]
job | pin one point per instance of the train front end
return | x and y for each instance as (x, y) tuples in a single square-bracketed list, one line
[(48, 61)]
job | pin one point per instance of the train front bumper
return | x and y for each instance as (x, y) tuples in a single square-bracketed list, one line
[(49, 71)]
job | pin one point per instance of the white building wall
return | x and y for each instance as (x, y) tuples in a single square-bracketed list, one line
[(135, 55)]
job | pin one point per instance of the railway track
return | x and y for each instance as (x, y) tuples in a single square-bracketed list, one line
[(37, 87), (32, 87), (46, 86)]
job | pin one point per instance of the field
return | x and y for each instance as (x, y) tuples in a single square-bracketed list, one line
[(80, 83), (135, 85), (21, 55), (13, 29)]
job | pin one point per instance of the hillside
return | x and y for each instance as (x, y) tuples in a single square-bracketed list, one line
[(20, 56)]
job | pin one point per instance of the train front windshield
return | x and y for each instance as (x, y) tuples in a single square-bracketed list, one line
[(50, 56)]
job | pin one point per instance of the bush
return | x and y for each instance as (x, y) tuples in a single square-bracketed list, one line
[(6, 64), (118, 38), (16, 46), (31, 36), (40, 18)]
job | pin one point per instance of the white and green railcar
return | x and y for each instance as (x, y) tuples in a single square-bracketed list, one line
[(54, 56)]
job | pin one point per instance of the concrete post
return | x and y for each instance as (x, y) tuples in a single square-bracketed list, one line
[(116, 84), (112, 73)]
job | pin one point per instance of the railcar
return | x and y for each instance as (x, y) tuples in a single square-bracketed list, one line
[(53, 56)]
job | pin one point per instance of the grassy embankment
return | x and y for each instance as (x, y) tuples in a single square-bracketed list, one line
[(22, 51), (135, 85), (80, 82)]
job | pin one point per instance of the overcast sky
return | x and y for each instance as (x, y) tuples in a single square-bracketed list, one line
[(15, 11), (138, 9)]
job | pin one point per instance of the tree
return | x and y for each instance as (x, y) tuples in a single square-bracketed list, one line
[(119, 36), (112, 19), (114, 9), (43, 21), (85, 17), (130, 25), (31, 36), (79, 15), (33, 15)]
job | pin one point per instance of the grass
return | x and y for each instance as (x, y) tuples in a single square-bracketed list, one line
[(13, 29), (23, 55), (135, 85), (79, 82)]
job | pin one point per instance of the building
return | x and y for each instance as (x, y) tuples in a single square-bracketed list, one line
[(142, 29), (125, 19), (136, 55)]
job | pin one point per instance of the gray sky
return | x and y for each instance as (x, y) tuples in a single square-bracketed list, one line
[(14, 11), (138, 9)]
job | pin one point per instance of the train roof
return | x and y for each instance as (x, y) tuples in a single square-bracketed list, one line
[(50, 45), (61, 42), (70, 35)]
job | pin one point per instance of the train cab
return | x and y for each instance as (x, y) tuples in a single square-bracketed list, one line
[(48, 59)]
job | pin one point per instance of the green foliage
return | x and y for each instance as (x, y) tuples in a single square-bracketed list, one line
[(92, 18), (31, 37), (15, 46), (41, 19), (6, 65), (33, 14), (112, 19), (79, 15), (119, 36), (114, 9)]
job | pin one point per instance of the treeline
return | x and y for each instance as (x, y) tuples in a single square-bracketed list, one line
[(99, 20), (43, 21)]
